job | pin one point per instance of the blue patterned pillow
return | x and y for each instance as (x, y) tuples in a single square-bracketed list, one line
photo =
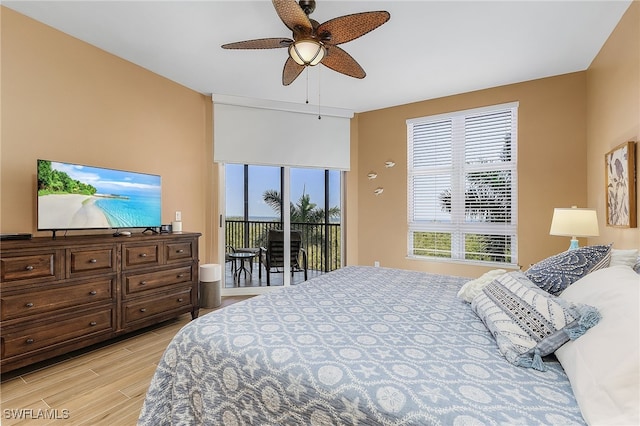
[(527, 322), (558, 272)]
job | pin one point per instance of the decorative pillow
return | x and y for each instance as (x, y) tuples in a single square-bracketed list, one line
[(472, 288), (558, 272), (527, 322), (623, 257), (604, 365)]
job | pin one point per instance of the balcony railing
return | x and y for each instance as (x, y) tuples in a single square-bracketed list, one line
[(320, 240)]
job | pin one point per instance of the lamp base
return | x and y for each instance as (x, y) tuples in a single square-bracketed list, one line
[(574, 244)]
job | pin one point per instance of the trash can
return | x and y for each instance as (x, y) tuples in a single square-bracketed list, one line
[(210, 285)]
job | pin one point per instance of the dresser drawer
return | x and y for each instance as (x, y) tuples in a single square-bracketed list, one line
[(135, 283), (30, 339), (27, 267), (140, 310), (101, 260), (179, 251), (141, 255), (36, 302)]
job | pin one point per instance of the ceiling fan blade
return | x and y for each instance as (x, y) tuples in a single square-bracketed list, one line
[(340, 61), (260, 43), (291, 71), (349, 27), (293, 16)]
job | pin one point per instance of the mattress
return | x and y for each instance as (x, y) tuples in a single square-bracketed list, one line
[(357, 346)]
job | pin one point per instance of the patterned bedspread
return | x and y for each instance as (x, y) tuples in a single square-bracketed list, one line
[(358, 346)]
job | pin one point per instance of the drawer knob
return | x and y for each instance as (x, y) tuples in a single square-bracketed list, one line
[(93, 260), (180, 251), (29, 268), (93, 323), (29, 341), (93, 293), (180, 299), (143, 254), (29, 304), (180, 275), (143, 283), (143, 309)]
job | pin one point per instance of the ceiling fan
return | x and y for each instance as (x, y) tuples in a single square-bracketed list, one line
[(315, 43)]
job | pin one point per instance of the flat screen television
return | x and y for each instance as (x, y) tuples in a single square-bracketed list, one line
[(75, 196)]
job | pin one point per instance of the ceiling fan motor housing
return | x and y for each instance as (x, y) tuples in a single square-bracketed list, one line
[(308, 6)]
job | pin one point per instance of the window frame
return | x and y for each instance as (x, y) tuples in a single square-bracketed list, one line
[(457, 171)]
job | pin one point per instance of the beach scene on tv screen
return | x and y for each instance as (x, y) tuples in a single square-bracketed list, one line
[(72, 196)]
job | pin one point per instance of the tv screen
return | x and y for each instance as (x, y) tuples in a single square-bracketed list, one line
[(74, 196)]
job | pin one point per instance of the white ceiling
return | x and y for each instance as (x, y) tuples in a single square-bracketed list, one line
[(428, 49)]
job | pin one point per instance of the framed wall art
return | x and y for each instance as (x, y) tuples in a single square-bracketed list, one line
[(620, 186)]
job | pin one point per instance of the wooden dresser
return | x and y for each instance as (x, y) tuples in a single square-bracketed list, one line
[(58, 295)]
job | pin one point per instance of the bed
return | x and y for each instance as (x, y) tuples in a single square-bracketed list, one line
[(357, 346)]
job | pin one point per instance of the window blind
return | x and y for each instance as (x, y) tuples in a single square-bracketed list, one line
[(462, 185)]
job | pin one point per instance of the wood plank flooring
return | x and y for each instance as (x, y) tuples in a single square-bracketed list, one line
[(104, 384)]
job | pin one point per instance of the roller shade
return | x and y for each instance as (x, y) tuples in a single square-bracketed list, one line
[(270, 133)]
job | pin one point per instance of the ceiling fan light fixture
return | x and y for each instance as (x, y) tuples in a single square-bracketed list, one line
[(307, 52)]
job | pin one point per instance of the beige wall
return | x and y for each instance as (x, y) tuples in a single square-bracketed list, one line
[(566, 125), (350, 196), (551, 165), (65, 100), (613, 115)]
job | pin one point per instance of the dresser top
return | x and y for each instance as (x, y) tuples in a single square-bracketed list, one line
[(63, 241)]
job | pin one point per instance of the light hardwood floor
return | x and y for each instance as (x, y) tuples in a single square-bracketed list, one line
[(104, 384)]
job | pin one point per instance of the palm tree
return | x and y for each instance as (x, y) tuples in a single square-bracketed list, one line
[(306, 212)]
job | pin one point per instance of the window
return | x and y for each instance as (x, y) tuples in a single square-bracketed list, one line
[(462, 185)]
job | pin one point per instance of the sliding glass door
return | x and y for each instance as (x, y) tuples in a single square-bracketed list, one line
[(263, 199)]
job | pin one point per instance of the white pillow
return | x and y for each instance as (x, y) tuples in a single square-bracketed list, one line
[(603, 366), (472, 288), (624, 257)]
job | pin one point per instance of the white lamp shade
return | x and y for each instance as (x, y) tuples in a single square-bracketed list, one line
[(307, 52), (574, 222)]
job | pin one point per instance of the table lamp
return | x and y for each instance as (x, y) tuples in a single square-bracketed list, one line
[(574, 222)]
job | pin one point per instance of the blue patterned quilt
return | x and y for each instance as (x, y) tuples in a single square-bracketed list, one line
[(358, 346)]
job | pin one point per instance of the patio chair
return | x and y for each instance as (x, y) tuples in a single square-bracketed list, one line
[(272, 256), (229, 259)]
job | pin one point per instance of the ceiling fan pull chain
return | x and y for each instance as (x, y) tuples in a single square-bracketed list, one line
[(319, 117), (307, 75)]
